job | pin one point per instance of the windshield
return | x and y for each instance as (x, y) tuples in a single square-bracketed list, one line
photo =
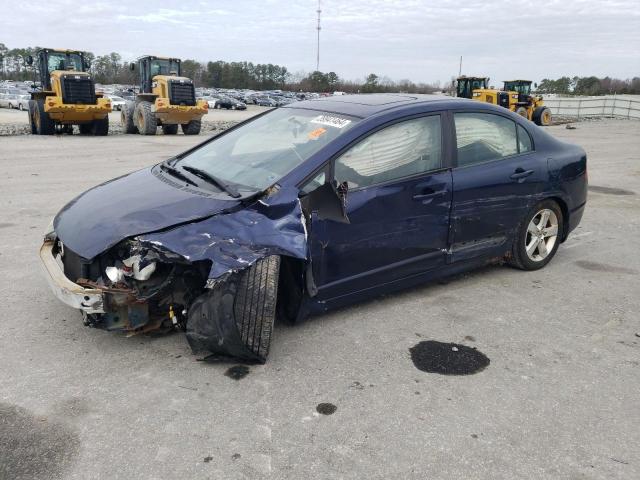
[(259, 153), (164, 67), (521, 88), (64, 61)]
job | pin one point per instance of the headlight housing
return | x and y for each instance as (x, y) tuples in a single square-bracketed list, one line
[(49, 232)]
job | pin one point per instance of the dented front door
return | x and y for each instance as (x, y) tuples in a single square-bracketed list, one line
[(395, 230)]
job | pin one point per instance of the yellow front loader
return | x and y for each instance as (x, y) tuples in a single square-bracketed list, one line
[(165, 99), (66, 95), (515, 96)]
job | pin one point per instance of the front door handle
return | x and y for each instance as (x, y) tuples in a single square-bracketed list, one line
[(520, 174), (428, 197)]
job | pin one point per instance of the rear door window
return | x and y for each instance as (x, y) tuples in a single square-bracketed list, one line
[(482, 137)]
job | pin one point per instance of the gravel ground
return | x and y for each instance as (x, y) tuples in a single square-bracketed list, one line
[(555, 398), (15, 122)]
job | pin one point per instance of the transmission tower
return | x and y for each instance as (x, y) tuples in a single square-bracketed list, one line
[(318, 46)]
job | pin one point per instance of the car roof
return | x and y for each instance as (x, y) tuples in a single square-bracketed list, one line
[(366, 105)]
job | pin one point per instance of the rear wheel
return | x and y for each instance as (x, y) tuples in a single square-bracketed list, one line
[(20, 107), (126, 118), (145, 119), (542, 116), (255, 305), (522, 111), (192, 128), (100, 127), (85, 128), (170, 129), (43, 122), (538, 236)]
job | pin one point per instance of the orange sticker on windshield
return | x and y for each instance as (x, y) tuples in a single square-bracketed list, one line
[(317, 133)]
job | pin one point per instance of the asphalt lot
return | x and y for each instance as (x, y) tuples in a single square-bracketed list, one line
[(559, 400)]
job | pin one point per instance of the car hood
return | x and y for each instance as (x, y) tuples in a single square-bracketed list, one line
[(137, 203)]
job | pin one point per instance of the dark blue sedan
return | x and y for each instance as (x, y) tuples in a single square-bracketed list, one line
[(312, 206)]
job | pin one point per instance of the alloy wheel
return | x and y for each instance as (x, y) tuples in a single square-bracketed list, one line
[(542, 234)]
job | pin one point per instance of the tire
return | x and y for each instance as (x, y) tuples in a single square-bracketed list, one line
[(100, 128), (170, 129), (32, 123), (145, 119), (43, 122), (20, 107), (85, 128), (542, 116), (522, 111), (126, 118), (255, 305), (192, 128), (529, 234)]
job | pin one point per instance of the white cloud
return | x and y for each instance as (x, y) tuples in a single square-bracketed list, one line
[(417, 39)]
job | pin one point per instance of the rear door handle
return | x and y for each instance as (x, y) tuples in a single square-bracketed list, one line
[(520, 174)]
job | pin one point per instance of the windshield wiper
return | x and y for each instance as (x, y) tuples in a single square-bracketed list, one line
[(176, 173), (211, 179)]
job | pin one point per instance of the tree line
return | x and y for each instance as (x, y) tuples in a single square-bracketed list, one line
[(589, 86), (112, 69)]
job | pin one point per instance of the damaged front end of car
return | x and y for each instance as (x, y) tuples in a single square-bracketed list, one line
[(182, 276), (130, 288)]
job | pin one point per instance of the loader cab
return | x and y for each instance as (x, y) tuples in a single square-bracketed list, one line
[(150, 67), (523, 87), (50, 60), (466, 85)]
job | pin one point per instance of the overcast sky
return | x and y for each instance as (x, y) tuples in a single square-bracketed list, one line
[(416, 39)]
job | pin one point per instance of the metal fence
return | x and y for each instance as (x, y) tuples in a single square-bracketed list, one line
[(620, 106)]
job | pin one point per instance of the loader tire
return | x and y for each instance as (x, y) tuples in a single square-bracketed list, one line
[(255, 305), (522, 111), (145, 119), (32, 123), (542, 116), (170, 129), (85, 128), (100, 127), (191, 128), (43, 122), (126, 118)]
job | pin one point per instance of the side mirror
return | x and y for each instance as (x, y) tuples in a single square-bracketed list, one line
[(29, 60), (87, 63), (132, 66)]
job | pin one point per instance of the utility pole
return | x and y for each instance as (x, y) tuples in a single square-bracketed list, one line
[(318, 46)]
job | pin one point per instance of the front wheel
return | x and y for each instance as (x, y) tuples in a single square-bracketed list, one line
[(255, 305), (538, 237)]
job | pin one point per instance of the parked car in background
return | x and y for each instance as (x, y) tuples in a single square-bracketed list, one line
[(22, 102), (229, 103), (4, 100), (266, 102), (309, 207), (117, 103), (211, 101)]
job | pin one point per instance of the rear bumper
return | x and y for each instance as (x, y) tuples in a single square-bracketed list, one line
[(574, 217), (88, 300)]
